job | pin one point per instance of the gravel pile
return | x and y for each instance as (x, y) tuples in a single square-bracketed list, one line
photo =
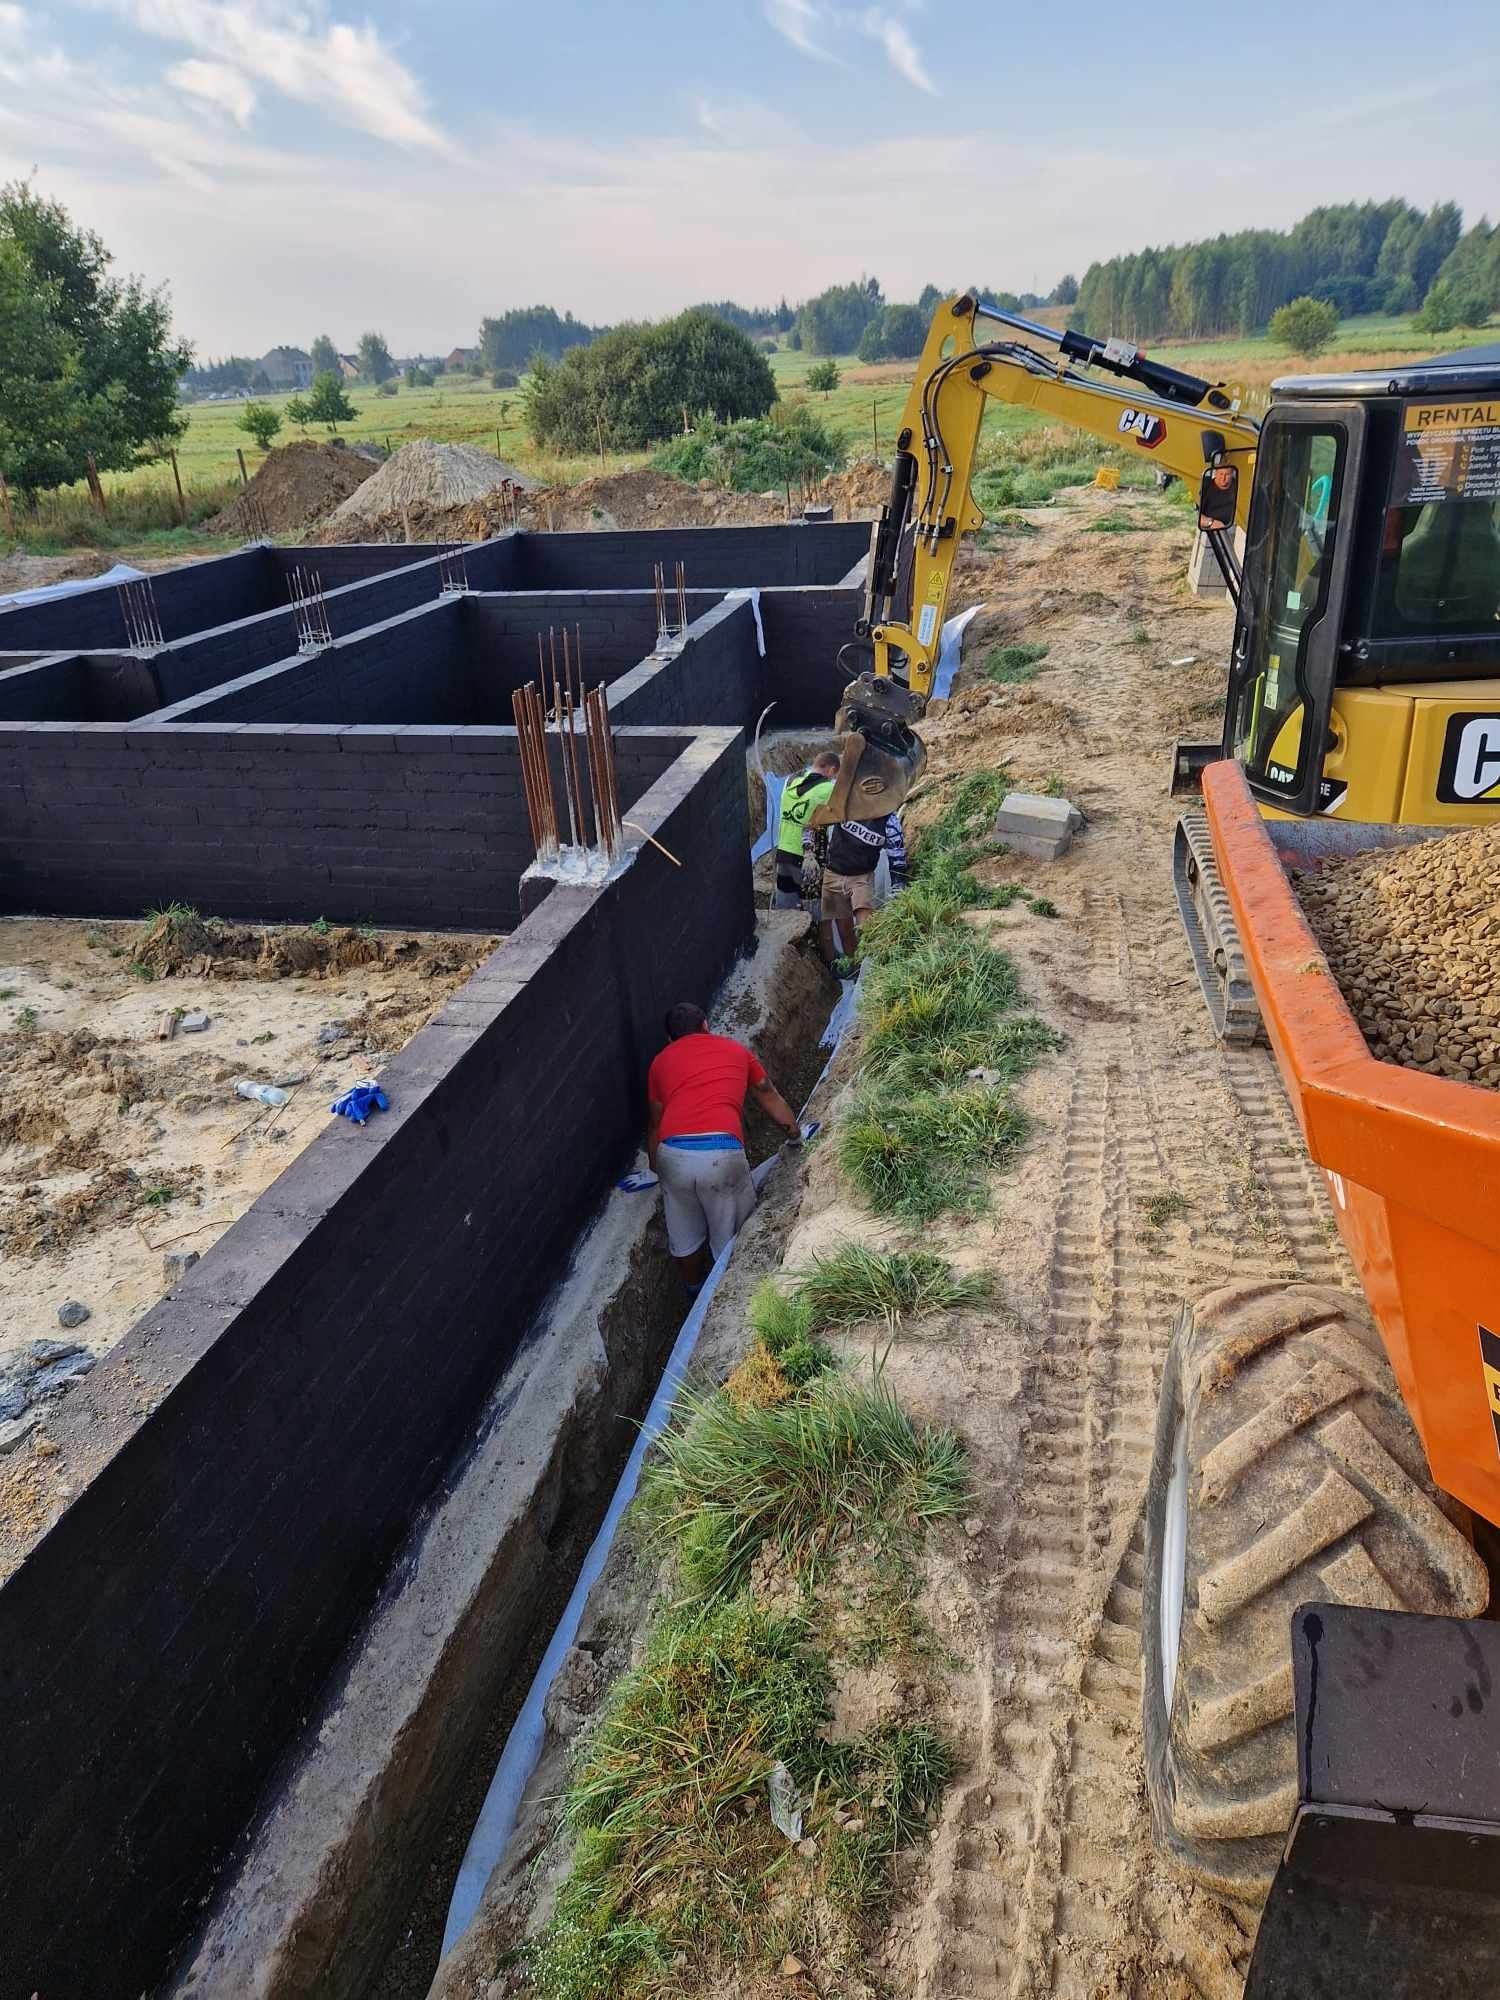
[(423, 476), (1413, 937)]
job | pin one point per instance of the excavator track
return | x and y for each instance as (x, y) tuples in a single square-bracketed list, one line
[(1213, 936)]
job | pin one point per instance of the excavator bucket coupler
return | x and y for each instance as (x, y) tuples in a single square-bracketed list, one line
[(880, 755)]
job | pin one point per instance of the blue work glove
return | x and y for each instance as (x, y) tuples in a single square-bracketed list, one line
[(636, 1183), (359, 1100)]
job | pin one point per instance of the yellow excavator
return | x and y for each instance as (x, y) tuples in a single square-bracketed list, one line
[(1318, 1684), (1364, 680)]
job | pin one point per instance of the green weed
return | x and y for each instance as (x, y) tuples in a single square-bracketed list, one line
[(1117, 524), (799, 1473), (26, 1019), (786, 1326), (9, 992), (1012, 665), (158, 1197), (321, 928), (1164, 1208), (919, 1155), (138, 969), (856, 1284)]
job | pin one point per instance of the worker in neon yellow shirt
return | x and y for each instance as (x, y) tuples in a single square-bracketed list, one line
[(800, 798)]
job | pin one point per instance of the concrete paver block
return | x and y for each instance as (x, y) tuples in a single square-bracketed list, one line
[(1030, 823)]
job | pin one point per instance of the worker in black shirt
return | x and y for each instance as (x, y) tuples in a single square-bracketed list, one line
[(854, 850)]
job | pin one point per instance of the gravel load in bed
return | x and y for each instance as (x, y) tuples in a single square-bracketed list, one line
[(1413, 937)]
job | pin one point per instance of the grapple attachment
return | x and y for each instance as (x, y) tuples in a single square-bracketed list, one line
[(880, 754)]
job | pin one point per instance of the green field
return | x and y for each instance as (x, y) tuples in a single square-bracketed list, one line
[(864, 410)]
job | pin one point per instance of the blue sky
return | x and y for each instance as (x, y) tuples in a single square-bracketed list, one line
[(297, 166)]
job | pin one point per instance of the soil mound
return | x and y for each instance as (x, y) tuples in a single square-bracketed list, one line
[(178, 940), (1413, 937), (295, 487), (425, 477)]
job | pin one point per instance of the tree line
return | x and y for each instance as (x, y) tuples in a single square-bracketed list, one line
[(1357, 257)]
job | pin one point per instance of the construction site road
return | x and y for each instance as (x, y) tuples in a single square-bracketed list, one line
[(1161, 1166)]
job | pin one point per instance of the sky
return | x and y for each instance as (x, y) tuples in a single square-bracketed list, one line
[(294, 167)]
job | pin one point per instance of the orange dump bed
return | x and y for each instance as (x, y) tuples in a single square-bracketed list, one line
[(1413, 1161)]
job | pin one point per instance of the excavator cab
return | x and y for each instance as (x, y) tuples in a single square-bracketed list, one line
[(1364, 678)]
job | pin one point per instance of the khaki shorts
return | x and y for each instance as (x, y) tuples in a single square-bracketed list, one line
[(847, 895), (705, 1196)]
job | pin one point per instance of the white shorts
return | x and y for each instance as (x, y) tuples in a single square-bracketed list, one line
[(705, 1196)]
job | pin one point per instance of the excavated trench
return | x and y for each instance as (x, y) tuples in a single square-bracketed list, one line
[(344, 1887)]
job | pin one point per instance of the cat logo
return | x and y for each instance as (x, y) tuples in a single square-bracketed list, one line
[(1489, 1361), (1471, 760), (1143, 427)]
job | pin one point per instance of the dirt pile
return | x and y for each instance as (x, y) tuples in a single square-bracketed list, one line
[(1413, 937), (295, 486), (423, 480), (178, 940)]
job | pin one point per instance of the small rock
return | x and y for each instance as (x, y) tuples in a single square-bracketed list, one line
[(44, 1447), (973, 1526), (71, 1313), (792, 1966), (194, 1024), (176, 1264), (807, 1848), (854, 1826), (989, 1078), (16, 1433), (292, 1078), (331, 1032)]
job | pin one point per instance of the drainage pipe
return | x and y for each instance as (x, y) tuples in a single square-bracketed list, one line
[(523, 1747)]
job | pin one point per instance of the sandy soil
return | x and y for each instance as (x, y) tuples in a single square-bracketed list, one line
[(116, 1147)]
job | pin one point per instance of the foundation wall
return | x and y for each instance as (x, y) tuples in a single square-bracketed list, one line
[(418, 827), (712, 558), (244, 1465)]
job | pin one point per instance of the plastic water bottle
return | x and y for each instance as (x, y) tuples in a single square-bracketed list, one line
[(259, 1093)]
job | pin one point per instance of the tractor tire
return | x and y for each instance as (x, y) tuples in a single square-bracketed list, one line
[(1285, 1471)]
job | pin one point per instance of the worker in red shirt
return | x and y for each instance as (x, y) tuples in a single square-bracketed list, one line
[(696, 1137)]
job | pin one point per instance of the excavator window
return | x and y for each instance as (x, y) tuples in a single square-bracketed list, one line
[(1288, 565), (1439, 567)]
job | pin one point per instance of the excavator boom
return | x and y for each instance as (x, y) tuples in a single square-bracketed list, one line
[(1179, 422)]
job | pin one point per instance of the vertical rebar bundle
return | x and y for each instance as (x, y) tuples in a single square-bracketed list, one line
[(253, 513), (453, 571), (666, 629), (310, 607), (143, 633), (557, 702)]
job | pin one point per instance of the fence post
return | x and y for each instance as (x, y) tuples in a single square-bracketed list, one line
[(96, 489), (181, 502), (10, 519), (244, 475)]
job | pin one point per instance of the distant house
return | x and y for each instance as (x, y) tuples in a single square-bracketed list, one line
[(286, 368), (349, 367), (461, 357)]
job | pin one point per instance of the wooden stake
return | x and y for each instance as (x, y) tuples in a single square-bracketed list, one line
[(5, 507), (599, 421), (875, 422), (95, 488), (181, 502), (244, 475)]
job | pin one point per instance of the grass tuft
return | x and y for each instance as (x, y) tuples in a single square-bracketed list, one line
[(1117, 524), (857, 1284), (1011, 665), (919, 1155), (800, 1474)]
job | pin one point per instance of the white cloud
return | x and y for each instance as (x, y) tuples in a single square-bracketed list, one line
[(343, 69), (801, 22), (901, 51), (809, 25), (218, 84)]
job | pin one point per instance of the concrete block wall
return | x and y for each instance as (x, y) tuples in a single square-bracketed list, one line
[(713, 558), (715, 675), (224, 647), (617, 629), (805, 629), (408, 826), (304, 1388)]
